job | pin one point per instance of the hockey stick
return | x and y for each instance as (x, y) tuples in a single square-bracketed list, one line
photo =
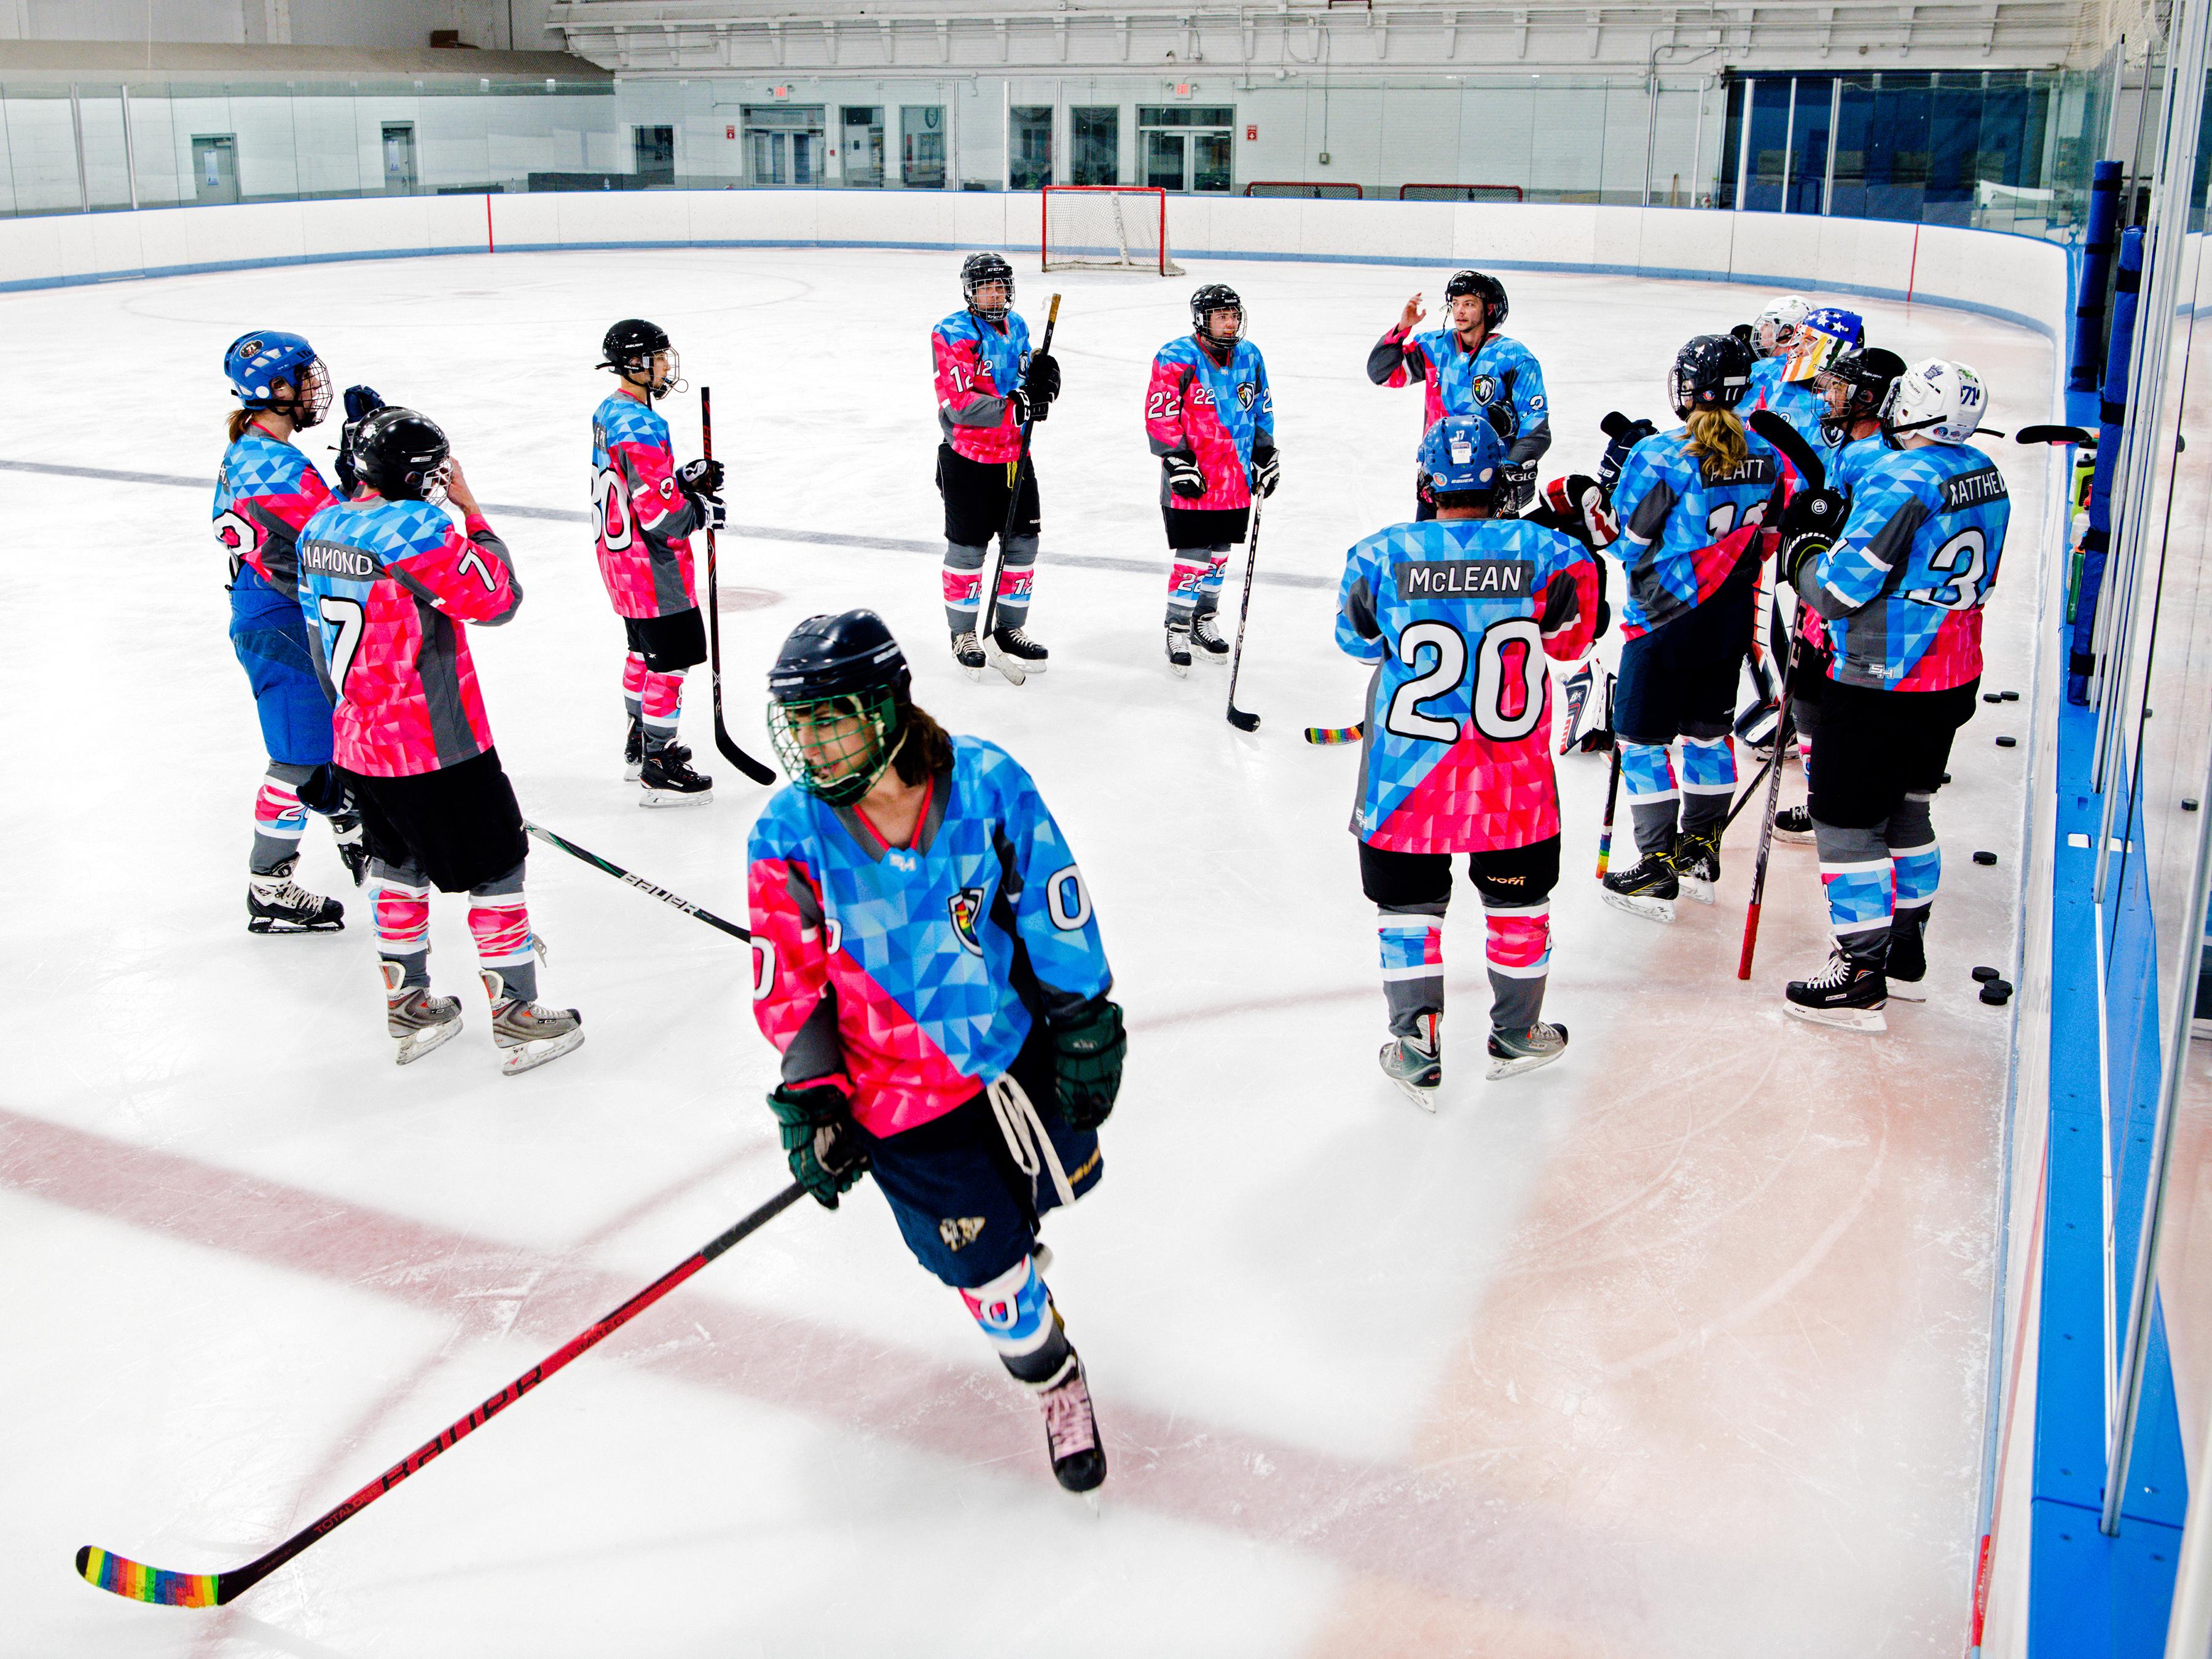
[(1323, 734), (1239, 718), (638, 882), (736, 757), (2056, 435), (989, 615), (1612, 788), (137, 1582), (1795, 450)]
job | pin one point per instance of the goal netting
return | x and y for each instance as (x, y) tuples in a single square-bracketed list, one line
[(1459, 193), (1106, 227)]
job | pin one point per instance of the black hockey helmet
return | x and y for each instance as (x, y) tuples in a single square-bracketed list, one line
[(1484, 287), (976, 270), (401, 455), (1867, 373), (1209, 299), (1713, 371), (837, 701), (629, 348)]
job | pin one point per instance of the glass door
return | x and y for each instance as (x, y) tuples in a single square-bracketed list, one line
[(1166, 165), (921, 134), (215, 166), (399, 158), (1097, 157), (1210, 168), (861, 146)]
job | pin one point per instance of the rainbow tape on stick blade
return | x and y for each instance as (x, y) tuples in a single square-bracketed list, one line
[(136, 1582), (1325, 734)]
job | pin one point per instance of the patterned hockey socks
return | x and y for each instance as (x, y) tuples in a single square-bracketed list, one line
[(1016, 1315), (497, 917), (1412, 941), (1855, 867), (633, 684), (1708, 782), (662, 701), (964, 584), (280, 818), (1647, 774), (1519, 951), (1194, 583)]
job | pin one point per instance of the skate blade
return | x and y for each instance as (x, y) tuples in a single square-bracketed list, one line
[(1219, 659), (1180, 670), (1794, 837), (271, 925), (1698, 887), (974, 674), (674, 798), (1423, 1098), (417, 1043), (529, 1056), (1908, 990), (1843, 1020), (1505, 1065), (1652, 909)]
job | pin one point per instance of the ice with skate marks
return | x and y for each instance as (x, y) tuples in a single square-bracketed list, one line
[(1638, 904)]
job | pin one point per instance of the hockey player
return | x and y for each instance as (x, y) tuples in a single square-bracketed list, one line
[(1901, 587), (265, 491), (1458, 614), (1690, 502), (928, 962), (1211, 419), (1769, 336), (1853, 383), (989, 387), (388, 582), (647, 510), (1470, 368)]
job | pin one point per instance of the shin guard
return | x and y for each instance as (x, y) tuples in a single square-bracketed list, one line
[(1647, 775), (1412, 941), (1856, 871), (1518, 950), (1017, 1317)]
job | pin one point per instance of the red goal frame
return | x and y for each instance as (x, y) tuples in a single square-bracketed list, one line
[(1045, 214)]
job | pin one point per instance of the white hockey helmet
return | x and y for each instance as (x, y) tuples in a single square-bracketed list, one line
[(1937, 398), (1774, 328)]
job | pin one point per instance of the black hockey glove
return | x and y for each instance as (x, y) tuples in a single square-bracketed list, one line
[(1183, 476), (1809, 526), (1267, 469), (1576, 506), (1041, 383), (701, 480), (817, 1125), (1024, 409), (1087, 1052), (1516, 488), (712, 515), (1623, 434), (361, 402)]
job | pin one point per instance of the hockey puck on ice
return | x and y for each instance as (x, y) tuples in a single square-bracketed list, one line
[(2009, 696), (1947, 777), (2007, 743), (1985, 975), (1992, 696), (2189, 803), (1985, 857), (1996, 993)]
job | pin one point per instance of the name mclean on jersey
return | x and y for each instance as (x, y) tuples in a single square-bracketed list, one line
[(1446, 579)]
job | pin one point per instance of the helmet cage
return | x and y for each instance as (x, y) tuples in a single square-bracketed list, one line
[(979, 272), (835, 747), (306, 393)]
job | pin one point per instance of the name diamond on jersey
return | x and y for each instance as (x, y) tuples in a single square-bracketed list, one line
[(1453, 579), (1972, 488), (335, 559)]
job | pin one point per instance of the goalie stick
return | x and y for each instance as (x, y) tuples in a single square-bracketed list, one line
[(988, 617), (1242, 721), (136, 1582), (638, 882), (736, 757)]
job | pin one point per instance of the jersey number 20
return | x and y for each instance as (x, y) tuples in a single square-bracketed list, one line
[(614, 510), (1510, 654)]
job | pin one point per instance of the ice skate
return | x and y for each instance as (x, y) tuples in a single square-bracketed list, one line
[(1649, 890), (1025, 653), (1179, 649), (1905, 973), (276, 904), (1846, 993), (530, 1033), (416, 1020), (634, 750), (969, 655), (1209, 645), (352, 840), (666, 779), (1793, 824), (1414, 1064), (1071, 1429), (1514, 1052), (1698, 864)]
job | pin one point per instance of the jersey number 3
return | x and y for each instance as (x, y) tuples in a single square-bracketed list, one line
[(1509, 656)]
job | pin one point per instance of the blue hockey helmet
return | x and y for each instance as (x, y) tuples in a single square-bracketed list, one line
[(1462, 455), (1824, 335), (837, 699), (259, 363)]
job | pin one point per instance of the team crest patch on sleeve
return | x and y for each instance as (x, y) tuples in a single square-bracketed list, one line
[(1245, 394), (966, 908), (960, 1229)]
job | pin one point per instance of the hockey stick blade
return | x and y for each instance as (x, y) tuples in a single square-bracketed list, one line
[(587, 856), (1327, 734), (1242, 719), (745, 764), (1791, 442), (2056, 435), (135, 1581)]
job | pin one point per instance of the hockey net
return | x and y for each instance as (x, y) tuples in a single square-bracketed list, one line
[(1459, 193), (1298, 189), (1106, 227)]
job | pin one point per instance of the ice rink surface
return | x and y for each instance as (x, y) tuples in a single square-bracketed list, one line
[(1677, 1347)]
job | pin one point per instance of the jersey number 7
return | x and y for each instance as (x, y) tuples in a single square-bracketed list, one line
[(347, 618), (1510, 654)]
